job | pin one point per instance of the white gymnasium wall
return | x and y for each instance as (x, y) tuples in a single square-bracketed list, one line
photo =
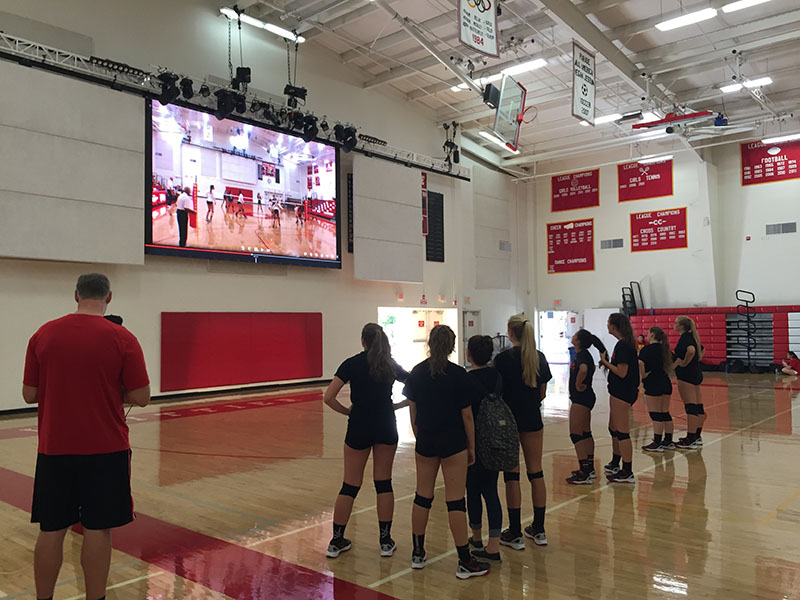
[(72, 167), (680, 277), (764, 264)]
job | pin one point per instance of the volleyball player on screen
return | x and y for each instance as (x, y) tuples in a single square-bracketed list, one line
[(371, 427), (623, 389)]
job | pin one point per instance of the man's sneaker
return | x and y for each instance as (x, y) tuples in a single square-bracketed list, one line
[(477, 545), (688, 444), (668, 445), (611, 468), (622, 477), (512, 539), (653, 447), (388, 546), (482, 554), (539, 538), (337, 546), (473, 568), (418, 560), (580, 478), (592, 473)]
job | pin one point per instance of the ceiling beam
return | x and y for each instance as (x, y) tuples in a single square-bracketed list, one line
[(310, 32), (398, 37)]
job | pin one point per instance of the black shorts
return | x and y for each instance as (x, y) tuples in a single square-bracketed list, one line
[(628, 396), (361, 437), (658, 388), (93, 490), (528, 417), (584, 401), (693, 378), (442, 445)]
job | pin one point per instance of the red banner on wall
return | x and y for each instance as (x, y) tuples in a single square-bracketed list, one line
[(773, 162), (575, 190), (570, 246), (659, 230), (637, 181)]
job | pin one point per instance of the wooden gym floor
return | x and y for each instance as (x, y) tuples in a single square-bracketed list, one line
[(234, 498)]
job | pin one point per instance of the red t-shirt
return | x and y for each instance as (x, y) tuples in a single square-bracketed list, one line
[(794, 363), (80, 365)]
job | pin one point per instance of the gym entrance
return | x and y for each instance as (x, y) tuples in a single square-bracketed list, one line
[(408, 329), (556, 328)]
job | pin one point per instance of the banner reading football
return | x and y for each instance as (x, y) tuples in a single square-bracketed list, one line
[(773, 162), (659, 230), (570, 246), (575, 190), (638, 181)]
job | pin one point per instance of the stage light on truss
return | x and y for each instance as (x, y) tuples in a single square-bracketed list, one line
[(240, 101), (310, 129), (186, 88), (205, 91), (169, 89), (226, 103)]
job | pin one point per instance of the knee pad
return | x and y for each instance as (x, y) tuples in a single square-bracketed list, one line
[(692, 409), (575, 437), (664, 417), (612, 432), (510, 476), (700, 410), (459, 505), (587, 435), (537, 475), (383, 486), (654, 416), (423, 501), (349, 490), (623, 436)]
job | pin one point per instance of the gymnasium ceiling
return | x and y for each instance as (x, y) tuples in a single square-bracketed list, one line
[(688, 65)]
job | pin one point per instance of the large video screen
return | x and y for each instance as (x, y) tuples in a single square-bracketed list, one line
[(232, 190)]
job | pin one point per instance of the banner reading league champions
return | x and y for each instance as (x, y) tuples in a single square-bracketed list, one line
[(570, 246)]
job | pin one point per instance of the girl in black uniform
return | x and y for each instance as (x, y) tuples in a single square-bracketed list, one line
[(441, 417), (655, 365), (525, 374), (623, 389), (371, 426), (688, 353), (581, 394)]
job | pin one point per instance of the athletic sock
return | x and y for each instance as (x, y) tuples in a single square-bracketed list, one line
[(615, 458), (463, 553), (657, 438), (385, 528), (514, 520), (586, 466), (699, 431), (590, 458), (667, 438), (419, 543), (338, 531), (51, 598), (538, 519), (627, 467)]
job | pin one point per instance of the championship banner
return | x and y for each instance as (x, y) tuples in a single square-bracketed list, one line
[(637, 181), (193, 213), (424, 203), (767, 163), (575, 190), (477, 26), (570, 246), (659, 230), (583, 84)]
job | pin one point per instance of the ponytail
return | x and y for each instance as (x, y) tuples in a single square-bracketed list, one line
[(441, 344), (523, 331), (666, 354), (688, 324), (587, 340), (623, 326), (379, 353)]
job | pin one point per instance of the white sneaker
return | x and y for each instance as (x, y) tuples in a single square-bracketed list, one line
[(540, 539)]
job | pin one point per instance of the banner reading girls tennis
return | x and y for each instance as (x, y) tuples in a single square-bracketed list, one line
[(570, 246), (477, 25), (638, 181), (575, 190), (659, 230)]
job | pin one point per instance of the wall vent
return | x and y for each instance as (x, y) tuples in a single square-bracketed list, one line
[(778, 228), (608, 244)]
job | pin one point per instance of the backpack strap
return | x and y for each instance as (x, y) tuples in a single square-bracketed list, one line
[(498, 388)]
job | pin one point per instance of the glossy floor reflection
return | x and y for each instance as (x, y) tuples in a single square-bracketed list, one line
[(234, 496)]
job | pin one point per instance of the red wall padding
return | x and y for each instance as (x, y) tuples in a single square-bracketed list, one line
[(200, 350)]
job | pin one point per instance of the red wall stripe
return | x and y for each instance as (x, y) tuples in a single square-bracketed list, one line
[(202, 350)]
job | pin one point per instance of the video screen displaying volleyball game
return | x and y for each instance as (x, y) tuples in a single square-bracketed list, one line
[(226, 189)]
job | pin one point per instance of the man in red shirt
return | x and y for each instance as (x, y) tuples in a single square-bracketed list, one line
[(81, 369)]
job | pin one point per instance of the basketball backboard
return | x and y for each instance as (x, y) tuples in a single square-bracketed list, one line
[(508, 118)]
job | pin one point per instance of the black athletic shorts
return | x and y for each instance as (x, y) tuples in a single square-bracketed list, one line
[(441, 446), (360, 437), (93, 490), (657, 388), (695, 378), (582, 400), (528, 416), (629, 396)]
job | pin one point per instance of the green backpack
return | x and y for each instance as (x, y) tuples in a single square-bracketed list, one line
[(496, 437)]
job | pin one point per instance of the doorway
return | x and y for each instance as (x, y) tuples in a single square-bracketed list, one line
[(556, 328), (470, 325), (408, 329)]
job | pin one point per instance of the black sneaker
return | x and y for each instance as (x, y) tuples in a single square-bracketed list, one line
[(688, 443), (653, 446), (337, 546), (473, 568), (611, 468), (539, 538), (477, 545), (512, 539), (492, 557), (668, 445), (388, 546), (592, 473), (580, 478), (418, 560), (622, 476)]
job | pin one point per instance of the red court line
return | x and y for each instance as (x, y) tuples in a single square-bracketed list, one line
[(213, 563), (194, 410)]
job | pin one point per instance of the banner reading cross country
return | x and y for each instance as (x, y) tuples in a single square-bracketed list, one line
[(570, 246), (659, 230), (638, 181), (575, 190), (477, 25), (773, 162)]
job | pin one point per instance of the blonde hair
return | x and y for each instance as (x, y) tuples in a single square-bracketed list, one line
[(522, 329), (688, 324), (441, 343)]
